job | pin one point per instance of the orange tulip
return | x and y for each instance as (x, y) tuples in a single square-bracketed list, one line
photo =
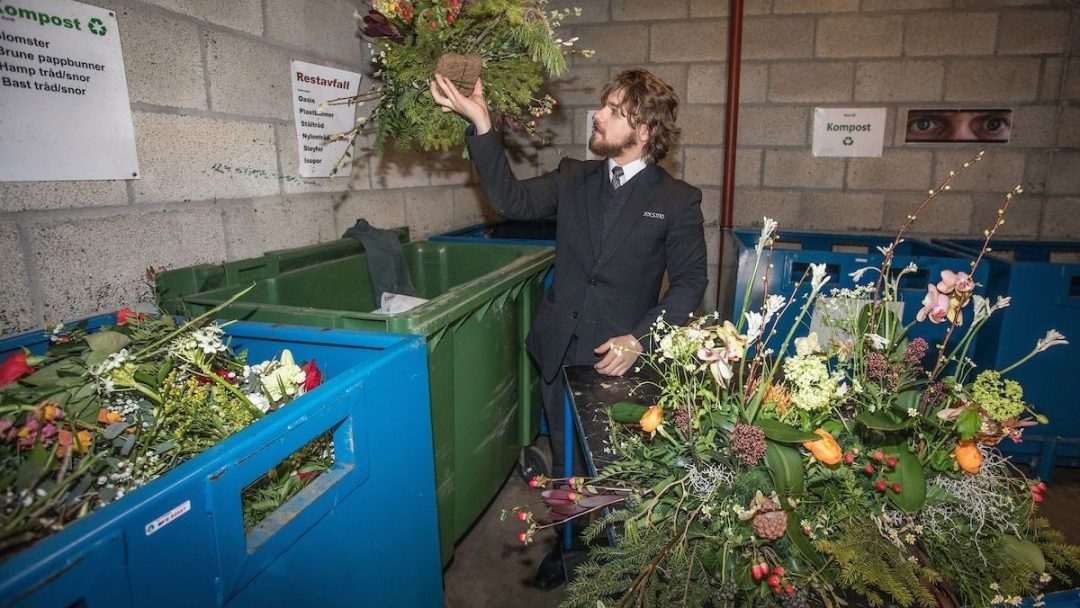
[(968, 456), (825, 450), (651, 419)]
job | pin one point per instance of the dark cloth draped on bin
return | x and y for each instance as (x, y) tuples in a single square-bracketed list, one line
[(386, 262)]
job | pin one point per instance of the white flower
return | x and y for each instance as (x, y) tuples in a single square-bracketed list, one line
[(912, 412), (807, 346), (772, 304), (858, 274), (754, 324), (1051, 339), (768, 229), (818, 278), (878, 342), (260, 401), (721, 371)]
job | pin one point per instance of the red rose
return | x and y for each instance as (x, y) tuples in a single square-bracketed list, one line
[(312, 375), (14, 367), (123, 315)]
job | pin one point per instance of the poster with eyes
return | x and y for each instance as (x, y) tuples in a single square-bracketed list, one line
[(983, 125)]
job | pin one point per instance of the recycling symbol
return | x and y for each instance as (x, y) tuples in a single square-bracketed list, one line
[(96, 26), (848, 141)]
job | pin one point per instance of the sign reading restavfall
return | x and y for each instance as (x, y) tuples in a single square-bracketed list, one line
[(313, 85), (848, 131), (64, 94)]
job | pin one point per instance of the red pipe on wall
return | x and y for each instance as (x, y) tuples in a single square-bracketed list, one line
[(731, 133)]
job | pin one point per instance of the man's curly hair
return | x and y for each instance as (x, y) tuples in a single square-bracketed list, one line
[(648, 101)]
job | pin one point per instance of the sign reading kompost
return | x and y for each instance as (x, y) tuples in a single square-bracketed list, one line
[(313, 86), (848, 131), (64, 109)]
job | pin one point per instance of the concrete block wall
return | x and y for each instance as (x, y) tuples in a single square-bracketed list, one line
[(209, 84), (897, 54)]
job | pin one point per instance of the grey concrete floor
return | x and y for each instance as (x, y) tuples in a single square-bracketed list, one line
[(491, 569)]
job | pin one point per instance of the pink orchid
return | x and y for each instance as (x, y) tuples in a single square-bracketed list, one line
[(708, 354), (935, 306), (961, 282)]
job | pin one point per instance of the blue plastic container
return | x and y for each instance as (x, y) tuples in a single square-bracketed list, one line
[(507, 232), (364, 533), (1043, 279), (842, 255)]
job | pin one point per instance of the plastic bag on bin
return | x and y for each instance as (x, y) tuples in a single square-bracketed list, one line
[(396, 302)]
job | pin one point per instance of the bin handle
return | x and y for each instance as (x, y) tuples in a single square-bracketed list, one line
[(247, 553), (1071, 297), (247, 270)]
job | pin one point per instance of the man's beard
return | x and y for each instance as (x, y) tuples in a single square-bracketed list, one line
[(599, 147)]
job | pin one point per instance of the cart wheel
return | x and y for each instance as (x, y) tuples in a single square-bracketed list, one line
[(533, 462)]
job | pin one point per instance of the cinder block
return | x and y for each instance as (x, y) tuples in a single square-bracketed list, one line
[(1061, 218), (248, 77), (704, 166), (712, 243), (799, 169), (325, 27), (906, 5), (814, 6), (998, 171), (289, 158), (997, 3), (701, 125), (592, 11), (243, 15), (772, 126), (1051, 78), (842, 211), (429, 211), (950, 33), (895, 170), (1033, 127), (254, 227), (708, 300), (557, 128), (162, 59), (707, 83), (1021, 219), (992, 80), (948, 214), (1069, 128), (915, 81), (624, 43), (1071, 89), (673, 163), (1034, 32), (704, 40), (1064, 174), (719, 8), (778, 38), (192, 158), (83, 274), (648, 10), (381, 208), (1037, 171), (16, 306), (710, 206), (812, 82), (580, 86), (860, 36), (470, 206), (33, 196), (449, 168), (748, 167), (399, 168), (753, 204)]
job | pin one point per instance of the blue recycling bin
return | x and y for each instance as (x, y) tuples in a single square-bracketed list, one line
[(507, 232), (1043, 279), (842, 255), (364, 533)]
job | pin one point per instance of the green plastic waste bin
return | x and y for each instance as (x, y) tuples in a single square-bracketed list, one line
[(485, 403)]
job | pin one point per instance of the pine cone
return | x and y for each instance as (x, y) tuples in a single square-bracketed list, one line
[(770, 522)]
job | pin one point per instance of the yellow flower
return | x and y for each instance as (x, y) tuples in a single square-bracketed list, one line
[(652, 419)]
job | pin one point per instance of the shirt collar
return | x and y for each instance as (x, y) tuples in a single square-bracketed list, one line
[(629, 169)]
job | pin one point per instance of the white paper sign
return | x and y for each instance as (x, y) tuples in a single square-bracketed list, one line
[(848, 131), (63, 93), (312, 85)]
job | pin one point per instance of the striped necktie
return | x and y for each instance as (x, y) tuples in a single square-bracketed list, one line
[(616, 177)]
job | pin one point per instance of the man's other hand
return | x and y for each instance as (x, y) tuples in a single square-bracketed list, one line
[(620, 353)]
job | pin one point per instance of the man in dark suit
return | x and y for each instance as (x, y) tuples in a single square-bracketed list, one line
[(622, 223)]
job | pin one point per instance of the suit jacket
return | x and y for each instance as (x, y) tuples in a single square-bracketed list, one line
[(602, 289)]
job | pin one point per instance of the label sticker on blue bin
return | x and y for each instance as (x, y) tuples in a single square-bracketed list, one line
[(168, 518)]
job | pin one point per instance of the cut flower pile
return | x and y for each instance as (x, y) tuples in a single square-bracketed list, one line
[(861, 469)]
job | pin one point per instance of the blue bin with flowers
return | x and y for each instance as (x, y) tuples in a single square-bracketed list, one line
[(1047, 273), (850, 261), (358, 530)]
